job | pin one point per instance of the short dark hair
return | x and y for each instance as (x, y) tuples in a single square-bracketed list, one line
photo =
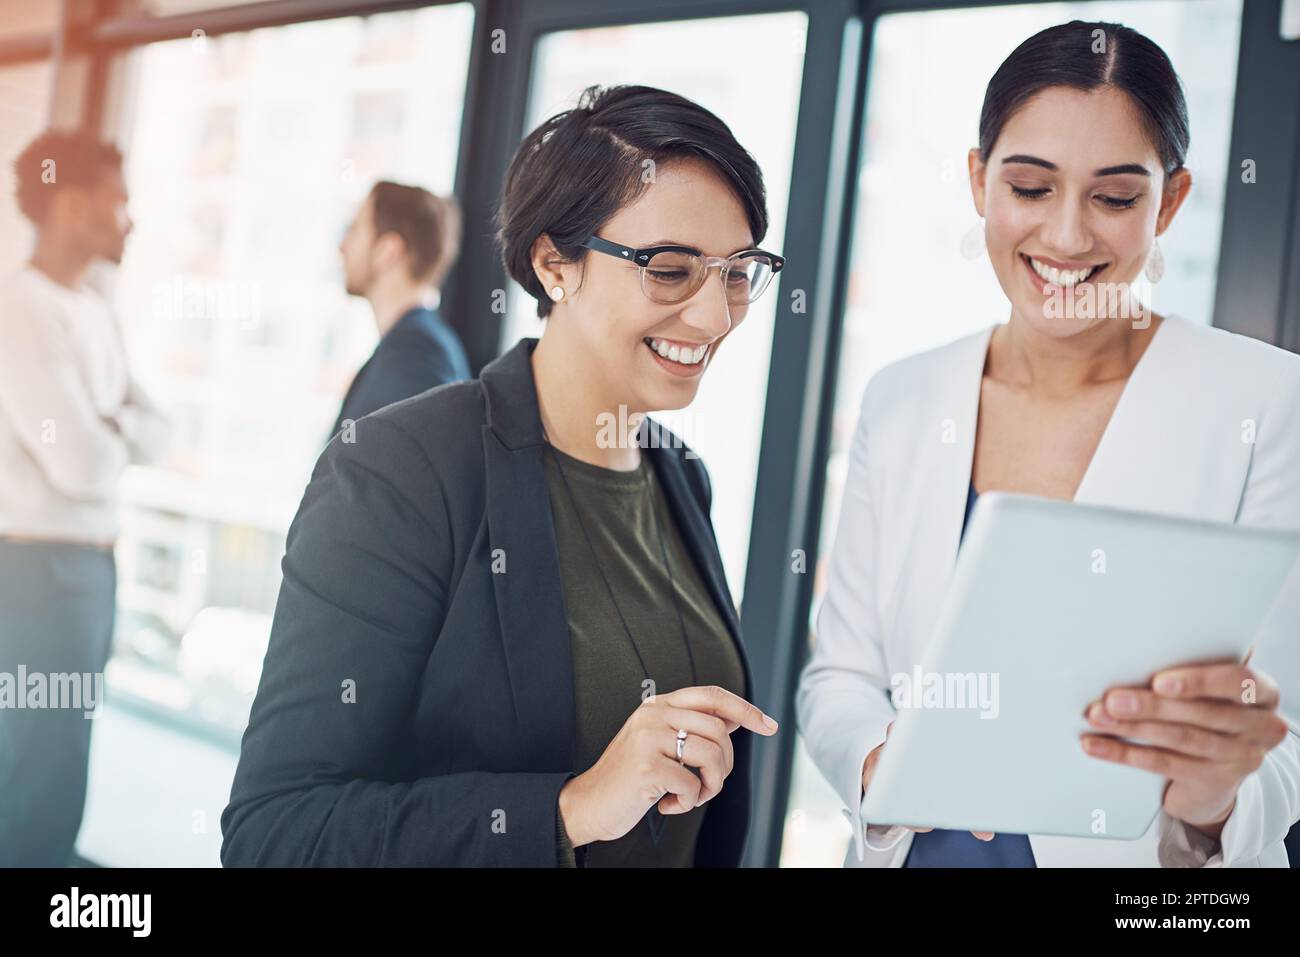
[(55, 160), (429, 226), (1064, 55), (580, 167)]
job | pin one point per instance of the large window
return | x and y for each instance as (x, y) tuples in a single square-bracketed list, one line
[(914, 205), (714, 62), (247, 155)]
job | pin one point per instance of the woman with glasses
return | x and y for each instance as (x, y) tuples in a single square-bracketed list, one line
[(504, 635), (1083, 394)]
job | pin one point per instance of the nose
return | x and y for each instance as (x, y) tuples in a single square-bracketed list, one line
[(1066, 230), (708, 310)]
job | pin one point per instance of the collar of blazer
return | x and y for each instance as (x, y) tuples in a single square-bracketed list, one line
[(521, 530)]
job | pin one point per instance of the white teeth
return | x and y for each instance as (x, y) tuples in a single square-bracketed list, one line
[(676, 353), (1060, 277)]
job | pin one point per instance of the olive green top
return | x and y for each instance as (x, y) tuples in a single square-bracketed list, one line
[(618, 511)]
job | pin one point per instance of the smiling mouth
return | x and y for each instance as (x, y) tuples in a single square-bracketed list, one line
[(684, 355), (1064, 278)]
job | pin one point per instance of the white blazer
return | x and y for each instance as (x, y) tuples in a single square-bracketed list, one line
[(1179, 442)]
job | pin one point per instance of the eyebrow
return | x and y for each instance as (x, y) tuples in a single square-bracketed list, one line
[(675, 242), (1137, 168)]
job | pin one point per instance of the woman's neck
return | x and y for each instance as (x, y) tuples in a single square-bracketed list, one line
[(573, 407), (1022, 356)]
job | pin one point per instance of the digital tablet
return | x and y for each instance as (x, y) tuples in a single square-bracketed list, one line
[(1052, 603)]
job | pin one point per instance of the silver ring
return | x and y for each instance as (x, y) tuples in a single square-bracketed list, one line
[(681, 743)]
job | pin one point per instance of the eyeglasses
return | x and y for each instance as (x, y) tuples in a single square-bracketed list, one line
[(672, 274)]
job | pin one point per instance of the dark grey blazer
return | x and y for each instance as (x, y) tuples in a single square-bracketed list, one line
[(419, 352), (416, 708)]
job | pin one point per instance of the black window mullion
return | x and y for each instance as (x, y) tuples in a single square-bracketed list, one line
[(496, 97), (800, 394), (1257, 251)]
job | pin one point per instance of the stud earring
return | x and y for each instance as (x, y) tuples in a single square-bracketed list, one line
[(557, 293), (972, 244), (1155, 263)]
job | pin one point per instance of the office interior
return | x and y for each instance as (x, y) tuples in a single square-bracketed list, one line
[(252, 129)]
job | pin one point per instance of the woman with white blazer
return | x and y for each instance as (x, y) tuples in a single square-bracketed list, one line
[(1083, 394)]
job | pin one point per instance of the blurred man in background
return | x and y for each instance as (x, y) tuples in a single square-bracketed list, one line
[(396, 253), (71, 418)]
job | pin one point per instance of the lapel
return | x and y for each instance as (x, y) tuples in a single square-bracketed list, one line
[(939, 476), (960, 406), (1165, 427), (529, 594), (694, 525), (681, 486), (1120, 471)]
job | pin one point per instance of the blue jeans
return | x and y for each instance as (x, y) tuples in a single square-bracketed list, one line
[(57, 606)]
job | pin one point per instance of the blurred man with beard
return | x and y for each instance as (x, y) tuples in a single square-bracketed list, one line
[(396, 253)]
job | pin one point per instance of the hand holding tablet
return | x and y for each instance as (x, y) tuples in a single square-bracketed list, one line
[(1059, 605), (1206, 726)]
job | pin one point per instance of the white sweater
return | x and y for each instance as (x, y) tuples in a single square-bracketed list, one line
[(71, 417)]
